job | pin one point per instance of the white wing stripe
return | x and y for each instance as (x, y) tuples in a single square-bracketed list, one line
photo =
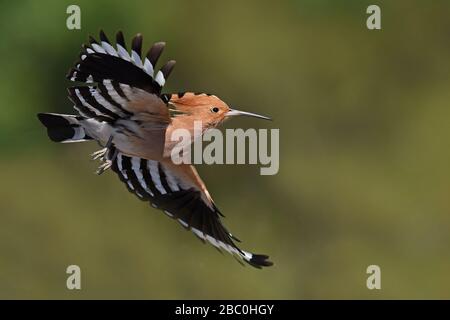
[(184, 224), (153, 168), (136, 166), (126, 89), (168, 213), (97, 48), (136, 59), (99, 98), (217, 243), (86, 104), (80, 111), (148, 67), (124, 174), (109, 49), (123, 53), (119, 166), (113, 93), (160, 79), (171, 181)]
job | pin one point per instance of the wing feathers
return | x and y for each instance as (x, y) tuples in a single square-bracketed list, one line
[(101, 60), (120, 84), (167, 68), (155, 52), (121, 47), (149, 180)]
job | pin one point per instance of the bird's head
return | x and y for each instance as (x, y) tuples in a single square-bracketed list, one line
[(206, 108)]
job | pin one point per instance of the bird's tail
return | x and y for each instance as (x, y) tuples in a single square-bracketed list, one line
[(63, 127)]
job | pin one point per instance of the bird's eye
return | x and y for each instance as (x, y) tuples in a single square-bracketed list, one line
[(215, 109)]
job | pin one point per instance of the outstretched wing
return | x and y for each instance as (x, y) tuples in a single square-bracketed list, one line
[(119, 83), (182, 195)]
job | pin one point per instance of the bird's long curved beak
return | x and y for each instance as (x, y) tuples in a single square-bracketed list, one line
[(234, 112)]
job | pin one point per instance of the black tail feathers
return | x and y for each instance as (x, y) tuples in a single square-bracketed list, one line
[(63, 128)]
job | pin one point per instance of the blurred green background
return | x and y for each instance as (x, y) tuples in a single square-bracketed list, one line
[(364, 164)]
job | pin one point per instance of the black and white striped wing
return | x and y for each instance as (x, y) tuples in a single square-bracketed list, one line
[(113, 77), (154, 182)]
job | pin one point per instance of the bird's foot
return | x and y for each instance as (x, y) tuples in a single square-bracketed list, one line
[(103, 167), (100, 154), (107, 156)]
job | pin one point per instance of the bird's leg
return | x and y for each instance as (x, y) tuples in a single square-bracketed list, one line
[(109, 143), (105, 156), (112, 157), (100, 154), (107, 163)]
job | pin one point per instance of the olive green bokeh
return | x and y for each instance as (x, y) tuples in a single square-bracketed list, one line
[(364, 164)]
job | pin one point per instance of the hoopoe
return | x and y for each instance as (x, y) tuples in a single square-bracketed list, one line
[(120, 105)]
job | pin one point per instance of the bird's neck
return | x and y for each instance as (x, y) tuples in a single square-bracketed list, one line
[(183, 131), (193, 124)]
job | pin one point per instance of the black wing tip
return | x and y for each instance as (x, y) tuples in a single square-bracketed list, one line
[(159, 45), (120, 39), (136, 42), (167, 68), (92, 39), (259, 261), (155, 52), (103, 36)]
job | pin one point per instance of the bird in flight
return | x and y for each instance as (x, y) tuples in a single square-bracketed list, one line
[(120, 105)]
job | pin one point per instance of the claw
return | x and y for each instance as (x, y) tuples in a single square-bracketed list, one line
[(100, 154), (107, 155), (103, 167)]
